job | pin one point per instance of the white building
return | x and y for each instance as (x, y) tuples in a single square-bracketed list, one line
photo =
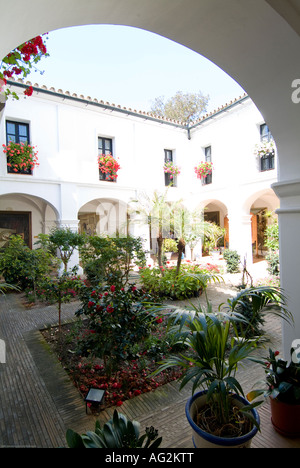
[(70, 131)]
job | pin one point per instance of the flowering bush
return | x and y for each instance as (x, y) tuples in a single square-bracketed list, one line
[(21, 157), (265, 148), (20, 62), (108, 166), (118, 318), (171, 285), (203, 169), (170, 168)]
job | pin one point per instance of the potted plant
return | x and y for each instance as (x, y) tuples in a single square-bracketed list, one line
[(265, 149), (21, 157), (171, 170), (283, 390), (219, 415), (203, 169), (108, 167)]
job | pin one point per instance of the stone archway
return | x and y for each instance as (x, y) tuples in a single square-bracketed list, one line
[(26, 215), (257, 43), (104, 216)]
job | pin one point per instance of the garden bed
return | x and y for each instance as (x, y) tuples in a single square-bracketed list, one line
[(132, 378)]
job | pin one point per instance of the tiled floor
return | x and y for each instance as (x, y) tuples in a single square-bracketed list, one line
[(38, 402)]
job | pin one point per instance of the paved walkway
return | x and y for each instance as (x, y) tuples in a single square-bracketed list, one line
[(38, 402)]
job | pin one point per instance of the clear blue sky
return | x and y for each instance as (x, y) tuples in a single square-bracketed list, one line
[(130, 67)]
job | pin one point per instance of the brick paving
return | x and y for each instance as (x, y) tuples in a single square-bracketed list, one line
[(38, 402)]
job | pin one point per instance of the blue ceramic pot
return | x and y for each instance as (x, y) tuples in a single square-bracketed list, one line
[(202, 439)]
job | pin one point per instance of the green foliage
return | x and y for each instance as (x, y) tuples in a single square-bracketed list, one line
[(282, 378), (272, 237), (273, 263), (183, 107), (272, 242), (23, 267), (118, 319), (110, 259), (213, 353), (59, 290), (191, 280), (253, 304), (232, 259), (169, 245), (119, 432), (65, 241)]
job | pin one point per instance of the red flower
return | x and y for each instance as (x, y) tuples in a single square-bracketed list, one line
[(91, 304), (113, 288), (119, 403), (28, 91)]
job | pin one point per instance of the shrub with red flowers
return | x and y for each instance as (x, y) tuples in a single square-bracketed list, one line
[(203, 169), (108, 167), (21, 157), (20, 62), (118, 318)]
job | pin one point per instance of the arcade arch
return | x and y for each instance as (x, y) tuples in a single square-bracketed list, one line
[(240, 37), (27, 216), (104, 216)]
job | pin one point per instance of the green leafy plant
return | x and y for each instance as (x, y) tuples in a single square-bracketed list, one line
[(169, 245), (65, 241), (119, 432), (23, 267), (254, 303), (232, 259), (282, 378), (213, 354), (119, 318), (191, 281), (110, 259), (59, 290)]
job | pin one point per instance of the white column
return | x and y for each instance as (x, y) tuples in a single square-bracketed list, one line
[(240, 235), (289, 240)]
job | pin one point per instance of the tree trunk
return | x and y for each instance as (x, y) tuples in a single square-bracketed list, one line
[(181, 247), (159, 251)]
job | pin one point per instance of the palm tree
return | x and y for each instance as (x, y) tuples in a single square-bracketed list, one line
[(157, 212)]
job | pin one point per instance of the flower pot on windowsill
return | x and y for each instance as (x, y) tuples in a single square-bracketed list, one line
[(108, 167), (107, 177), (21, 158)]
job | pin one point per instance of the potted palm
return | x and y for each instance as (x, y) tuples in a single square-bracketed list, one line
[(283, 390), (216, 346), (219, 414)]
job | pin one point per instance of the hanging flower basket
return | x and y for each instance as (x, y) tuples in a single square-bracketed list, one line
[(170, 168), (108, 167), (21, 157), (203, 169), (265, 149)]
